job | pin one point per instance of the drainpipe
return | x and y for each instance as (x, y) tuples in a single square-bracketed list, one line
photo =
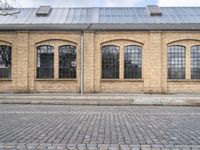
[(82, 63)]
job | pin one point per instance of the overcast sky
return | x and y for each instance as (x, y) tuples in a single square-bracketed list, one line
[(106, 3)]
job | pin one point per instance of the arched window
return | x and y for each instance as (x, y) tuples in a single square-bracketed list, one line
[(67, 61), (132, 62), (45, 61), (110, 62), (5, 61), (176, 62), (195, 62)]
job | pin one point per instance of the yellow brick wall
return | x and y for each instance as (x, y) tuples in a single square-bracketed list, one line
[(154, 62)]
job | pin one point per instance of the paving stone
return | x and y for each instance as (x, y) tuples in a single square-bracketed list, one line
[(101, 128)]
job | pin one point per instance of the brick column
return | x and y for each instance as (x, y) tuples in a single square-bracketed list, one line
[(89, 63), (21, 58), (155, 62)]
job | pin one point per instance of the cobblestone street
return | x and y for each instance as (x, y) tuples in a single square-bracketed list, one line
[(99, 127)]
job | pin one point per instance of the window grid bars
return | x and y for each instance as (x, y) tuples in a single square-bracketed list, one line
[(133, 62), (67, 61), (195, 62), (110, 62), (5, 61), (176, 62), (45, 61)]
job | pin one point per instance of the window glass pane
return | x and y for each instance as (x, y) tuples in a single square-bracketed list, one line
[(195, 62), (176, 62), (67, 61), (132, 62), (110, 62), (45, 61), (5, 61)]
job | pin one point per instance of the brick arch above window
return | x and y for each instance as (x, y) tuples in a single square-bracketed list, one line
[(56, 42), (184, 42), (122, 42), (5, 43)]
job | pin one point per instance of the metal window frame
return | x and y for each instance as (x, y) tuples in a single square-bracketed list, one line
[(195, 62), (49, 66), (131, 51), (72, 73), (7, 75), (177, 63), (116, 71)]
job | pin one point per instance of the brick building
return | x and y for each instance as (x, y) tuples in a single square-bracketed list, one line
[(101, 50)]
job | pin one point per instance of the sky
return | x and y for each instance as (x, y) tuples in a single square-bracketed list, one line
[(105, 3)]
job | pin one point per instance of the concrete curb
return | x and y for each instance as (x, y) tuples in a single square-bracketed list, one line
[(102, 99), (137, 99)]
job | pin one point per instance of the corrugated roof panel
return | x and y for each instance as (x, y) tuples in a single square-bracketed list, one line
[(89, 17), (53, 16), (94, 14), (69, 16), (76, 15), (83, 15), (58, 16), (27, 14), (63, 16), (172, 15), (17, 18)]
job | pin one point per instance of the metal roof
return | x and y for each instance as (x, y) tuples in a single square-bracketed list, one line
[(133, 18)]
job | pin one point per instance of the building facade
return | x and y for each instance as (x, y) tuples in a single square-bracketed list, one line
[(45, 55)]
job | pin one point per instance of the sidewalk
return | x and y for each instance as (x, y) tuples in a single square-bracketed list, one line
[(102, 99)]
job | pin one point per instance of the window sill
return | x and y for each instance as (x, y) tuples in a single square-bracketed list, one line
[(70, 79), (5, 79), (183, 80), (122, 80)]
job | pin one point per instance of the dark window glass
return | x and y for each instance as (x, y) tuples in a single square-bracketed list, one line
[(110, 62), (45, 61), (132, 62), (176, 62), (5, 61), (67, 61), (195, 62)]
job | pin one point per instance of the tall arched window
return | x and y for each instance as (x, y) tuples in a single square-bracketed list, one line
[(195, 62), (110, 62), (176, 62), (45, 61), (132, 62), (5, 61), (67, 61)]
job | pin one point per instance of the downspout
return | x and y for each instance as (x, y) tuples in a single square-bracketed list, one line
[(82, 63)]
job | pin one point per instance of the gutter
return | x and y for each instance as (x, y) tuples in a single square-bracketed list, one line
[(101, 27)]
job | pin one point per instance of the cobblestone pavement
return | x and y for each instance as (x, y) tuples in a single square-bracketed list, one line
[(99, 127)]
